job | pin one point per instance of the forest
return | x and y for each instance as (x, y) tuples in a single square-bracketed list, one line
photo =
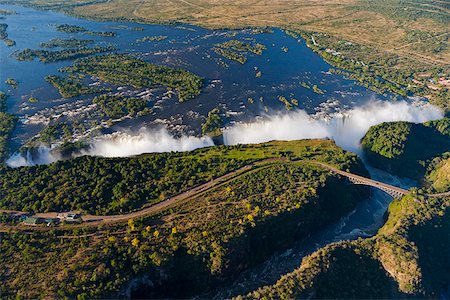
[(196, 244), (47, 56), (111, 185), (70, 87), (115, 107), (406, 148), (69, 43), (213, 123)]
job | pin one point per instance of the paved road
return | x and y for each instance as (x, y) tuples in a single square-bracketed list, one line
[(91, 220)]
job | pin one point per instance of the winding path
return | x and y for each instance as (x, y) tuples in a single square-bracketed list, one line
[(151, 209)]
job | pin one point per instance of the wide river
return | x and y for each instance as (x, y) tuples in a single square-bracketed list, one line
[(285, 64)]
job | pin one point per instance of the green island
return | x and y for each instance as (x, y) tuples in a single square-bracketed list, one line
[(115, 107), (7, 12), (70, 43), (238, 50), (46, 56), (197, 243), (54, 132), (4, 35), (126, 70), (213, 123), (12, 82), (156, 38), (7, 124), (288, 105), (398, 147), (70, 28), (71, 87), (102, 33)]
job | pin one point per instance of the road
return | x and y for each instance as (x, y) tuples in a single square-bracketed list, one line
[(92, 220)]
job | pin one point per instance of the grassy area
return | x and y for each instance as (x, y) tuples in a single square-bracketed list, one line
[(107, 185), (195, 244)]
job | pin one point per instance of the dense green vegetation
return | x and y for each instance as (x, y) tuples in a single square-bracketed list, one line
[(438, 173), (4, 35), (238, 50), (77, 29), (288, 105), (102, 33), (7, 123), (127, 70), (152, 38), (103, 185), (70, 43), (193, 245), (213, 123), (53, 132), (116, 107), (46, 56), (70, 28), (7, 12), (406, 258), (70, 87), (12, 82), (405, 148)]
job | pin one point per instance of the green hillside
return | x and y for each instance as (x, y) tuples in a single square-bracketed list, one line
[(407, 258), (187, 249), (406, 148), (117, 185)]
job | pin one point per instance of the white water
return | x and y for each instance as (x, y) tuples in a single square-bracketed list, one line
[(346, 129)]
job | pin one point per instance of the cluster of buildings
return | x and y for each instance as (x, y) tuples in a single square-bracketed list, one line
[(49, 221)]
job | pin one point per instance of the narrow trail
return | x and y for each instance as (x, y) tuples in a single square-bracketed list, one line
[(92, 220)]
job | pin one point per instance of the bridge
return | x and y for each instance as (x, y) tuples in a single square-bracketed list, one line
[(391, 190), (92, 220)]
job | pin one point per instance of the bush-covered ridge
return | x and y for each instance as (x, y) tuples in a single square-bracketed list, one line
[(405, 148), (406, 257)]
